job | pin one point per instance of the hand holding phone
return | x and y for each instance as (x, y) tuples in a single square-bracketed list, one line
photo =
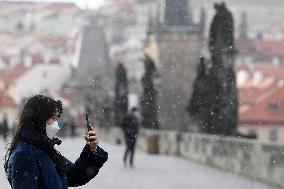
[(91, 138)]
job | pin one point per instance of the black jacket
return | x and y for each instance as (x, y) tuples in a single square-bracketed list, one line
[(130, 125), (30, 167)]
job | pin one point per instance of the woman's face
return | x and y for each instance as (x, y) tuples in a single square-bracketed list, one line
[(51, 120)]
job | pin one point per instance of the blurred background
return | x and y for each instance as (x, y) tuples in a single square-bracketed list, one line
[(206, 75)]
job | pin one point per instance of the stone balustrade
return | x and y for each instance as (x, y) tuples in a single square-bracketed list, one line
[(246, 157)]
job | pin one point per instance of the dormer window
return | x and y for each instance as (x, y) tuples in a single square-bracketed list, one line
[(274, 107)]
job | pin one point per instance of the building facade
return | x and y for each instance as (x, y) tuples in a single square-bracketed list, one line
[(174, 43)]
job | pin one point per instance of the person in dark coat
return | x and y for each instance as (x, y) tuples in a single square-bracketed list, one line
[(72, 128), (32, 162), (130, 126)]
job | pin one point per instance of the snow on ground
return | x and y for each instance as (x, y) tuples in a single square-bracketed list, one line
[(150, 172)]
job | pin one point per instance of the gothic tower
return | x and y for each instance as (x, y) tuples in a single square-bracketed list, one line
[(174, 43)]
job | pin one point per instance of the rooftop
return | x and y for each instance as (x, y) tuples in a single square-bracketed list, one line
[(261, 95)]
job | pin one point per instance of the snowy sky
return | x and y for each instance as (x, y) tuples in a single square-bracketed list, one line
[(93, 4)]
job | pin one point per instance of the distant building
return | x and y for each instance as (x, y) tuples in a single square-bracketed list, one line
[(23, 81), (261, 51), (93, 57), (26, 80), (93, 77), (39, 50), (174, 43), (261, 97)]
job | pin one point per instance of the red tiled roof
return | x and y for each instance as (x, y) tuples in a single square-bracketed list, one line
[(37, 58), (259, 113), (246, 46), (250, 92), (249, 96), (256, 99), (271, 48), (6, 101), (54, 61), (10, 75)]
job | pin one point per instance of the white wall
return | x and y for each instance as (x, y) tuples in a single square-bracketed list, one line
[(263, 132), (39, 78)]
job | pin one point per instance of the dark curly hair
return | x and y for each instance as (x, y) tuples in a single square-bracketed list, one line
[(37, 110)]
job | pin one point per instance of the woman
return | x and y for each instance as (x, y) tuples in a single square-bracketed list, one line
[(32, 162)]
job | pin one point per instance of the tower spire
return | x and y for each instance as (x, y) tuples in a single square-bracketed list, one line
[(243, 26), (202, 21)]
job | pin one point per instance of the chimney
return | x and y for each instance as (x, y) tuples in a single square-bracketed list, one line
[(242, 77), (257, 77), (28, 61)]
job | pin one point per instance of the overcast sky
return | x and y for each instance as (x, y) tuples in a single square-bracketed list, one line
[(81, 3)]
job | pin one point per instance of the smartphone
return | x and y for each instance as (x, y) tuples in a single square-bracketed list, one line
[(88, 122)]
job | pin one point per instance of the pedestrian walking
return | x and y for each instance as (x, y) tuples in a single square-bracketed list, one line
[(73, 128), (32, 162), (130, 126)]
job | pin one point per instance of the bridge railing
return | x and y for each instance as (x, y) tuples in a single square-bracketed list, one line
[(247, 157)]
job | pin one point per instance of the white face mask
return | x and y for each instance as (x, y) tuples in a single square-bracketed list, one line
[(52, 130)]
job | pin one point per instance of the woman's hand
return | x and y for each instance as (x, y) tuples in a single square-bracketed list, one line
[(92, 139)]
